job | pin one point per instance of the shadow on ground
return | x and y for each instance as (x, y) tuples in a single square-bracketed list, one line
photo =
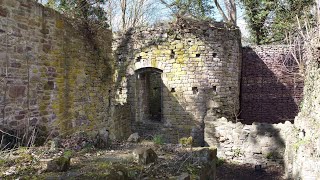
[(230, 171)]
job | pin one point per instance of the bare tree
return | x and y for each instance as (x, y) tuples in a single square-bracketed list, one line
[(230, 12), (123, 4), (111, 12), (124, 14)]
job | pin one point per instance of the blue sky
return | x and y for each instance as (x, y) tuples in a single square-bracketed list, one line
[(240, 18)]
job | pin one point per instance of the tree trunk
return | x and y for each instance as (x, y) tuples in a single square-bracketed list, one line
[(123, 10), (233, 12), (225, 18)]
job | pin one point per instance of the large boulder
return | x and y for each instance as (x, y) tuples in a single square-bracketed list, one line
[(184, 176), (58, 164), (134, 138), (207, 156), (54, 144), (145, 155), (102, 139)]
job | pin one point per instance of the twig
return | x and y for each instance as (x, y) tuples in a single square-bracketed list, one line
[(9, 134), (184, 162)]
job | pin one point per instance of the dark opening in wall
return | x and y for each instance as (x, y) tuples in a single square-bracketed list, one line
[(138, 59), (173, 90), (214, 88), (214, 55), (230, 88), (195, 90), (172, 54), (197, 55), (120, 90), (149, 94)]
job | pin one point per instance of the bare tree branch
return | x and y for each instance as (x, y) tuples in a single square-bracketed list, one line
[(9, 134), (225, 18)]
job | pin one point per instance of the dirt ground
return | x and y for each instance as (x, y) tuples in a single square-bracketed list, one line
[(29, 163)]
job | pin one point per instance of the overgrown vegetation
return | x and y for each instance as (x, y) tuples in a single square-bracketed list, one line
[(158, 139), (271, 21), (202, 9)]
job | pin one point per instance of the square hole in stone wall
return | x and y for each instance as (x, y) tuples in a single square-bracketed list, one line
[(214, 55), (172, 54), (214, 88), (195, 90), (173, 90), (138, 59), (197, 55)]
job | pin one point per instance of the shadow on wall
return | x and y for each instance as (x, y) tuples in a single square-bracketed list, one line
[(190, 115), (212, 51), (175, 123), (267, 92)]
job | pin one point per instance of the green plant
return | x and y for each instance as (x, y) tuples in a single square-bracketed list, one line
[(68, 153), (272, 155), (2, 162), (158, 139), (300, 143), (220, 161), (193, 170), (186, 141), (237, 152)]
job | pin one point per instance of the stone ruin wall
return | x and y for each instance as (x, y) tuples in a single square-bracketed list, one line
[(47, 75), (303, 144), (269, 101), (199, 64), (48, 78), (271, 87)]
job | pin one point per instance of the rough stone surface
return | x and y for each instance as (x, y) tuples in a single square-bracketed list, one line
[(177, 80), (184, 176), (145, 155), (134, 138), (49, 71), (259, 143), (207, 157), (102, 139), (271, 88), (302, 156), (58, 164), (170, 72)]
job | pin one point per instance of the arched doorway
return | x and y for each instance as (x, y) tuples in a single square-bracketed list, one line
[(148, 94)]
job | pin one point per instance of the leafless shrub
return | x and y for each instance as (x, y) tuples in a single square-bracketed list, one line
[(304, 39)]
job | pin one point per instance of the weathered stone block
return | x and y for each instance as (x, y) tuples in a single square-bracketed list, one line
[(16, 91)]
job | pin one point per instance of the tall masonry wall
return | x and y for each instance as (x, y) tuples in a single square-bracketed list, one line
[(199, 68), (50, 75), (271, 86), (303, 145)]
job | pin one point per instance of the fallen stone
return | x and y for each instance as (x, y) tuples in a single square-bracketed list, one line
[(54, 144), (205, 154), (145, 155), (102, 138), (59, 164), (208, 172), (184, 176), (134, 138)]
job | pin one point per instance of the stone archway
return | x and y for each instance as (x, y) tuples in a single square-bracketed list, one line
[(148, 95)]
